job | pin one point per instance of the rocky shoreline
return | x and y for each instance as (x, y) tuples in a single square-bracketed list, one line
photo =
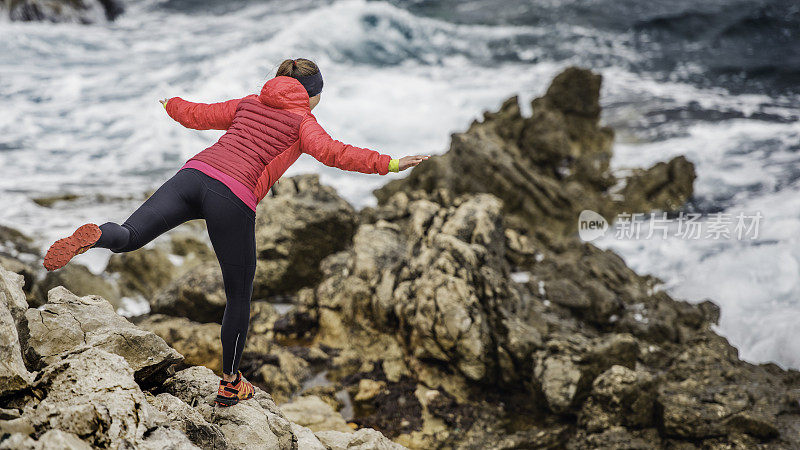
[(461, 312), (80, 11)]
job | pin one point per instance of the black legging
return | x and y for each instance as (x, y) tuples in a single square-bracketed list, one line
[(191, 194)]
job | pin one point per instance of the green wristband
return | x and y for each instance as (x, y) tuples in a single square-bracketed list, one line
[(394, 165)]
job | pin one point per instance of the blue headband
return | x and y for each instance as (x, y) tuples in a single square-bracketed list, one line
[(312, 83)]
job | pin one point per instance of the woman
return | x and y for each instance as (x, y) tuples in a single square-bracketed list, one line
[(222, 184)]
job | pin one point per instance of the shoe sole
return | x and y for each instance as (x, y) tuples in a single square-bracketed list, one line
[(225, 402), (63, 250)]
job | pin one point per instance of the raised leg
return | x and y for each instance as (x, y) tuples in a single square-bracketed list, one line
[(175, 202)]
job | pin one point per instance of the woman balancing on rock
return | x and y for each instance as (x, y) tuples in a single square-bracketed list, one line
[(222, 184)]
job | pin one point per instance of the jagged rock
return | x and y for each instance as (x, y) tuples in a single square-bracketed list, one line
[(567, 367), (566, 293), (198, 295), (629, 439), (306, 438), (295, 229), (280, 372), (368, 389), (665, 186), (619, 396), (262, 320), (50, 439), (13, 297), (548, 167), (450, 301), (68, 322), (13, 373), (310, 411), (18, 254), (80, 11), (93, 394), (199, 343), (254, 423), (363, 439), (711, 393), (163, 437), (187, 420), (559, 378), (144, 271), (15, 243), (27, 270), (186, 244), (77, 279)]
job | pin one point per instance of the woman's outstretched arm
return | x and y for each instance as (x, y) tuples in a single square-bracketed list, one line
[(201, 116), (315, 141)]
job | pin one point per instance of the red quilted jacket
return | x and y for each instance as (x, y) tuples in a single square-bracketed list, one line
[(266, 134)]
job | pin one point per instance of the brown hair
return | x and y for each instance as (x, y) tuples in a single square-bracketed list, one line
[(299, 67)]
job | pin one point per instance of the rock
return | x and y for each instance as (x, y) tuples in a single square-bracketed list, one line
[(27, 270), (13, 373), (548, 167), (310, 411), (51, 200), (619, 397), (368, 389), (666, 186), (306, 438), (559, 378), (78, 279), (187, 420), (566, 293), (13, 326), (254, 423), (50, 439), (621, 437), (93, 394), (280, 372), (566, 368), (449, 302), (63, 10), (295, 229), (186, 244), (199, 343), (199, 295), (363, 439), (163, 437), (710, 393), (13, 297), (68, 322), (262, 319), (144, 271), (330, 394), (16, 244)]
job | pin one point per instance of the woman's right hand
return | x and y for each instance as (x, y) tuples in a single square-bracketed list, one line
[(411, 161)]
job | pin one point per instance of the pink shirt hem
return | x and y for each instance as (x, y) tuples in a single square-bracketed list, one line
[(241, 191)]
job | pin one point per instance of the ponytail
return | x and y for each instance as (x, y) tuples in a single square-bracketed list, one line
[(296, 68)]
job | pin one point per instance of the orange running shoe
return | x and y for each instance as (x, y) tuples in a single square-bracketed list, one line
[(63, 250), (230, 392)]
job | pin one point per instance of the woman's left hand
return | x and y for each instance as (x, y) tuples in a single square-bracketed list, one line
[(411, 161)]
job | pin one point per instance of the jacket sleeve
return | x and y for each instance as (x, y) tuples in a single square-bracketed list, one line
[(318, 143), (202, 116)]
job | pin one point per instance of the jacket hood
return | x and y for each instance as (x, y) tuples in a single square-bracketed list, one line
[(284, 93)]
